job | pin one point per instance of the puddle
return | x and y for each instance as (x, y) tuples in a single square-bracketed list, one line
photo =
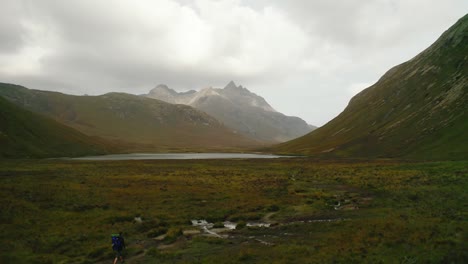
[(211, 232), (317, 221), (207, 229), (258, 224), (202, 223), (229, 225)]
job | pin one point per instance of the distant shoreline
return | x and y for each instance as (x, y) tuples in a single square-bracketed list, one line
[(180, 156)]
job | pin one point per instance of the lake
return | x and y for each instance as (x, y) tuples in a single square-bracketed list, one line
[(167, 156)]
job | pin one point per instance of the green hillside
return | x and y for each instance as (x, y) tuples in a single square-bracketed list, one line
[(416, 110), (133, 122), (24, 134)]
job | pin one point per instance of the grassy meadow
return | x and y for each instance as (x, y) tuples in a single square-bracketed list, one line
[(63, 211)]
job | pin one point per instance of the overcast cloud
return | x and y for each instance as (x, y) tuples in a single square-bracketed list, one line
[(306, 58)]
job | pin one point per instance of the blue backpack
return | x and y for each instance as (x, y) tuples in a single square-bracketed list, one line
[(116, 242)]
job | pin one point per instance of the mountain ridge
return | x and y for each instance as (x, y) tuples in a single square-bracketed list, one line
[(238, 108), (134, 122), (415, 110)]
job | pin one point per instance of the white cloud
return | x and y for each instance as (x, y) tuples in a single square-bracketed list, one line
[(306, 57)]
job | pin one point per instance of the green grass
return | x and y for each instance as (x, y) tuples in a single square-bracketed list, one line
[(56, 211), (25, 134)]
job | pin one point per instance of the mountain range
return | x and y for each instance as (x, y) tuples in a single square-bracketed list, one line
[(132, 122), (239, 109), (418, 109)]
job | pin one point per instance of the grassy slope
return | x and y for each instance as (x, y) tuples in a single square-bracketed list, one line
[(137, 123), (416, 110), (25, 134), (64, 211)]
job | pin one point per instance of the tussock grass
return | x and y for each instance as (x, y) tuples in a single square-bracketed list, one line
[(64, 211)]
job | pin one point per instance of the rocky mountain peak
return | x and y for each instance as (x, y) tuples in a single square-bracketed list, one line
[(162, 88), (239, 109), (164, 93), (231, 85)]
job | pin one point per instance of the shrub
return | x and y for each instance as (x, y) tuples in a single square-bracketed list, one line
[(273, 208), (100, 253), (172, 234), (155, 253), (145, 226), (241, 224), (120, 219), (157, 231), (218, 225)]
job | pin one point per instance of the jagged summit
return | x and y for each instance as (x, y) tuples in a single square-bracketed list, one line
[(231, 85), (164, 93), (239, 109), (162, 87)]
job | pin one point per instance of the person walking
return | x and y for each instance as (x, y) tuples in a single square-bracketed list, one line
[(118, 245)]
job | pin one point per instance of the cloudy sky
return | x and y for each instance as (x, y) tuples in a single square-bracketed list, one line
[(305, 57)]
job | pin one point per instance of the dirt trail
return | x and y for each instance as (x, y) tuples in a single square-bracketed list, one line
[(129, 260), (267, 218)]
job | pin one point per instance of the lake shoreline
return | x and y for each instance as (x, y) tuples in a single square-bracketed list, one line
[(179, 156)]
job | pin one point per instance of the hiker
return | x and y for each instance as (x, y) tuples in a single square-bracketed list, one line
[(118, 245)]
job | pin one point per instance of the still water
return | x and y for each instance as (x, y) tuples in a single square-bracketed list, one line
[(149, 156)]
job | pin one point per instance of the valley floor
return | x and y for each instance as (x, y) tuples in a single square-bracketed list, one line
[(286, 211)]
